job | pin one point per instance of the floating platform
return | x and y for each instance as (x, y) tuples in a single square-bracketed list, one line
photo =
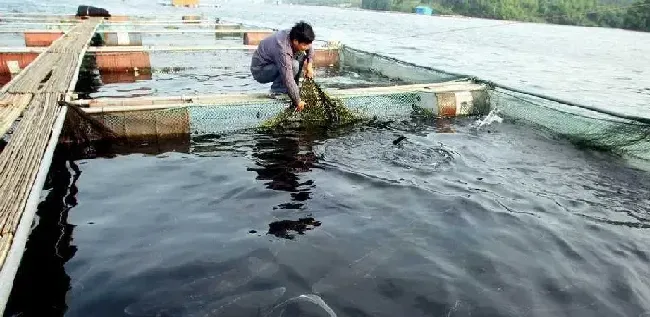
[(174, 116), (122, 36), (130, 58)]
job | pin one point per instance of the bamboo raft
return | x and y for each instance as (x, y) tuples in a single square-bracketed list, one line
[(35, 94)]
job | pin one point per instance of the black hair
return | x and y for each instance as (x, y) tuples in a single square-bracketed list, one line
[(302, 32)]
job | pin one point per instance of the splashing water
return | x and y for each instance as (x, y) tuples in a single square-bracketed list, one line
[(491, 117), (281, 309)]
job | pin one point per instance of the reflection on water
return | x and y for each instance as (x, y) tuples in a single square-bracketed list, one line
[(92, 79), (124, 77), (284, 159), (283, 228), (89, 81), (281, 159), (41, 284)]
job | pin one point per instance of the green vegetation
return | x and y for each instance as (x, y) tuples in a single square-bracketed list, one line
[(332, 3), (628, 14), (321, 110)]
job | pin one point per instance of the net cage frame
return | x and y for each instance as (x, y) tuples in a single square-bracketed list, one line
[(580, 124), (197, 119), (583, 125)]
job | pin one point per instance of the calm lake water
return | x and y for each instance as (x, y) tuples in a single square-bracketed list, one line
[(454, 220)]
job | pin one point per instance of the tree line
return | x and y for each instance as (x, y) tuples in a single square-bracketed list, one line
[(627, 14)]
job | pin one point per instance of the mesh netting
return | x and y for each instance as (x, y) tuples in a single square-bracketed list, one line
[(321, 110), (237, 116), (217, 119), (233, 117), (147, 125), (80, 127), (168, 121), (399, 71), (582, 126)]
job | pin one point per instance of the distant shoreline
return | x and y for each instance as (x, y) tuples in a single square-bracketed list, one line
[(629, 18)]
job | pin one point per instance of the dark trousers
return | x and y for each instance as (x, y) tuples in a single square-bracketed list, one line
[(271, 73)]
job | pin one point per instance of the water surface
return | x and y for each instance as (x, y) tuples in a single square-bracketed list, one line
[(503, 220), (454, 220)]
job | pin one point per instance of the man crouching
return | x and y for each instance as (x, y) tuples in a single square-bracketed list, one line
[(280, 59)]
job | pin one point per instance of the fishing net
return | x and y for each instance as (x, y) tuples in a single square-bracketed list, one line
[(320, 110), (399, 72), (203, 119), (79, 127), (584, 127)]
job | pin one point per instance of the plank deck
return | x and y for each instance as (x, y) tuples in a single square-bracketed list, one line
[(33, 95)]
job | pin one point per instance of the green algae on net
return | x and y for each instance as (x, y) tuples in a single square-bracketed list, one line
[(320, 110)]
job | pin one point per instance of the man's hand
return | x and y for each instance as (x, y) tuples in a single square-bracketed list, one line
[(301, 105), (309, 70)]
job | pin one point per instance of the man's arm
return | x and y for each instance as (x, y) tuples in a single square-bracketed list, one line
[(310, 54), (285, 65), (309, 69)]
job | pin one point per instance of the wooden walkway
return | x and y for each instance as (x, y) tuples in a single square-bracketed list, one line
[(33, 95)]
